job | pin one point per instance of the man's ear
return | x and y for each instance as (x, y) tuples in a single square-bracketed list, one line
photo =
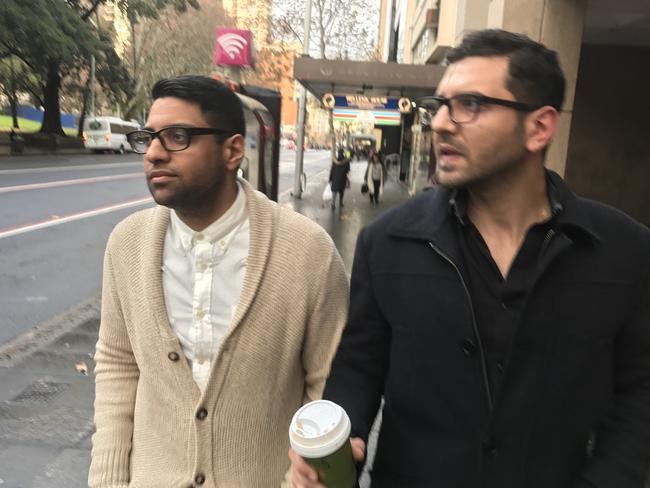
[(540, 128), (233, 152)]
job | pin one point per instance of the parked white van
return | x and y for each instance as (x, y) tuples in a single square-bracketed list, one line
[(107, 134)]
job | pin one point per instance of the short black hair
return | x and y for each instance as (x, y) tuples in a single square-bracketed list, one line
[(220, 105), (534, 73)]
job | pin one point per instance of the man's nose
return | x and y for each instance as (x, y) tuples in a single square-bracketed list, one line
[(156, 152), (441, 121)]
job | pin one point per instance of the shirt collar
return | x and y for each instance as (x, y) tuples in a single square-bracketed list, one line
[(186, 238), (458, 201)]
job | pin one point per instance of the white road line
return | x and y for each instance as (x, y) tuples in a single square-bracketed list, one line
[(21, 229), (55, 169), (77, 181)]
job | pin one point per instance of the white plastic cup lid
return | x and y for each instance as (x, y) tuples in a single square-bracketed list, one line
[(318, 429)]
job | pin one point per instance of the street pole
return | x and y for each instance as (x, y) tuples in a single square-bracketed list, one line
[(92, 85), (302, 106)]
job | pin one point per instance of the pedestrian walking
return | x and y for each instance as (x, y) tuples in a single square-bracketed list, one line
[(504, 320), (221, 310), (339, 177), (374, 178)]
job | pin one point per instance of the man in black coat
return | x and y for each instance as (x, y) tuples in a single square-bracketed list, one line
[(504, 320)]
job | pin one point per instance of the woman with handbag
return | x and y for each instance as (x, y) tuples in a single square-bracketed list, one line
[(339, 177), (374, 178)]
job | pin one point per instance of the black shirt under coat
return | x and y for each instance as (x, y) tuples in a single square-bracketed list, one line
[(498, 300)]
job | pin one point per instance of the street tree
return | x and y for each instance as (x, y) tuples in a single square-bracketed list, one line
[(46, 35), (16, 78), (53, 37), (340, 29), (170, 44), (111, 75)]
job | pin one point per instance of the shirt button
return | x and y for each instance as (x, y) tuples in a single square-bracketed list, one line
[(173, 356), (468, 347), (199, 237), (201, 414), (199, 479), (201, 267), (200, 314)]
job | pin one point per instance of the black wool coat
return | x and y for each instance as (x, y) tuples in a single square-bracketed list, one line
[(338, 173), (574, 405)]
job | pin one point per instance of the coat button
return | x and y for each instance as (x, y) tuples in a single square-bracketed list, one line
[(173, 356), (199, 479), (468, 347), (201, 414), (489, 447)]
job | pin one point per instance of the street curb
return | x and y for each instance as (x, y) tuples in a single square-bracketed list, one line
[(44, 152), (49, 330)]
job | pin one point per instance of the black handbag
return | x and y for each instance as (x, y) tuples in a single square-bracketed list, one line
[(364, 188)]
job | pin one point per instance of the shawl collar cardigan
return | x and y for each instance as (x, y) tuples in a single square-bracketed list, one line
[(274, 357)]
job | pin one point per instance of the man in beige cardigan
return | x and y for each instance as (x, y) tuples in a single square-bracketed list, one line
[(221, 311)]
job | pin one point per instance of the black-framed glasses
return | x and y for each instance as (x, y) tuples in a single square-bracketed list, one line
[(173, 138), (465, 107)]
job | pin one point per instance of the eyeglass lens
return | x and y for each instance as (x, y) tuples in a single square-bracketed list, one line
[(172, 139), (461, 109)]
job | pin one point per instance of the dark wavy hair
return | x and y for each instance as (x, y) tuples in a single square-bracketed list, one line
[(534, 73), (219, 105)]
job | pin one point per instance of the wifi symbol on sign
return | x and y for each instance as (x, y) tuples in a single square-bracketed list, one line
[(232, 44)]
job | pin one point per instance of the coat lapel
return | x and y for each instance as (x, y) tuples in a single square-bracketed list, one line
[(428, 217)]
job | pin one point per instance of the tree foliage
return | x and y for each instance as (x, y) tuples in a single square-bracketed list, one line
[(169, 45), (58, 37), (340, 29), (15, 78)]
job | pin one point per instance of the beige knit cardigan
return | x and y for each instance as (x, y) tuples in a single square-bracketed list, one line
[(274, 357)]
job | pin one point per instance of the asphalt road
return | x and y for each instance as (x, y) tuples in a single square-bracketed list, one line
[(56, 213)]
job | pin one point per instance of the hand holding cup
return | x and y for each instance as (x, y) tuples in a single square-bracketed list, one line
[(305, 476), (321, 454)]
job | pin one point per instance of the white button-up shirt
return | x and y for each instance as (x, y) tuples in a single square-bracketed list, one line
[(203, 274)]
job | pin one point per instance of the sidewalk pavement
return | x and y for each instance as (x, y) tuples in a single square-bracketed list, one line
[(46, 401)]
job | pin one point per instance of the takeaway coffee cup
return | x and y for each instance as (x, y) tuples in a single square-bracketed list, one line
[(320, 433)]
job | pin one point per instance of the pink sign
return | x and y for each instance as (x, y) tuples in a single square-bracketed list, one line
[(233, 46)]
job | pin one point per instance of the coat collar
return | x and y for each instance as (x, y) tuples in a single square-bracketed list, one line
[(430, 215)]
